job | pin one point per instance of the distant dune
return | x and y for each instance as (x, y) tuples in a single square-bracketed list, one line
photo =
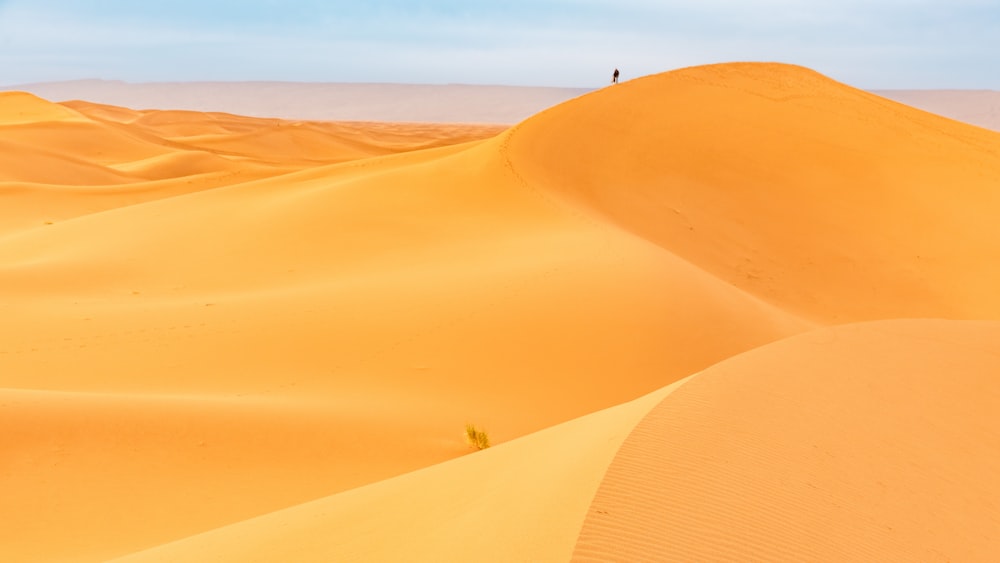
[(425, 103), (731, 312)]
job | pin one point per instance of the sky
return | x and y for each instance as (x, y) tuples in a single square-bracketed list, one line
[(572, 43)]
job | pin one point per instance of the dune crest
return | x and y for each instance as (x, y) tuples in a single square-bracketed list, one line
[(819, 198)]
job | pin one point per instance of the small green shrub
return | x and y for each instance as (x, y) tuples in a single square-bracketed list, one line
[(476, 437)]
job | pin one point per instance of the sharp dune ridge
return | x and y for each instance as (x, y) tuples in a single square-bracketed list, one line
[(731, 312)]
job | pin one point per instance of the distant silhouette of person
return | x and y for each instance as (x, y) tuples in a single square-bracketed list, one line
[(614, 77)]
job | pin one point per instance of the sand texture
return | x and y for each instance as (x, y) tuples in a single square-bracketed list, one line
[(733, 312)]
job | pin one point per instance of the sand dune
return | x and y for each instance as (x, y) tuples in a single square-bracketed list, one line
[(792, 451), (821, 199), (20, 108), (80, 158), (859, 442), (373, 281), (284, 326)]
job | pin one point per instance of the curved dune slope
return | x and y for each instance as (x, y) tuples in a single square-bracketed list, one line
[(868, 442), (817, 197)]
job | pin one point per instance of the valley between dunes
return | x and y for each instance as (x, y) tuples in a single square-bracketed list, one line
[(731, 312)]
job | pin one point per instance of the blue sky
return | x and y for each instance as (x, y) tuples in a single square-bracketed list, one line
[(869, 44)]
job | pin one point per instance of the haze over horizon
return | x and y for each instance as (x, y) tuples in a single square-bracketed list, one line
[(874, 45)]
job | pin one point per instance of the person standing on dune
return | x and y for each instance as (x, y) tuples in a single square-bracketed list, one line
[(614, 77)]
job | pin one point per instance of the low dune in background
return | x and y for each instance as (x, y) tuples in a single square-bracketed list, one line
[(428, 103), (681, 307)]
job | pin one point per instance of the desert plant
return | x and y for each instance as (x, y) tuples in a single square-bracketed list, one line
[(476, 437)]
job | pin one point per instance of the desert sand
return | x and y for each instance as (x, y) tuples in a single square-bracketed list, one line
[(731, 312)]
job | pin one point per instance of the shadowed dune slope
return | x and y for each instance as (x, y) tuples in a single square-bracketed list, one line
[(816, 197), (866, 442)]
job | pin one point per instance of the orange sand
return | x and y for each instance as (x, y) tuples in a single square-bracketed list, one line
[(855, 443), (239, 338)]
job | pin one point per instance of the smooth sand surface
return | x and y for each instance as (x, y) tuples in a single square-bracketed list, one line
[(240, 338)]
